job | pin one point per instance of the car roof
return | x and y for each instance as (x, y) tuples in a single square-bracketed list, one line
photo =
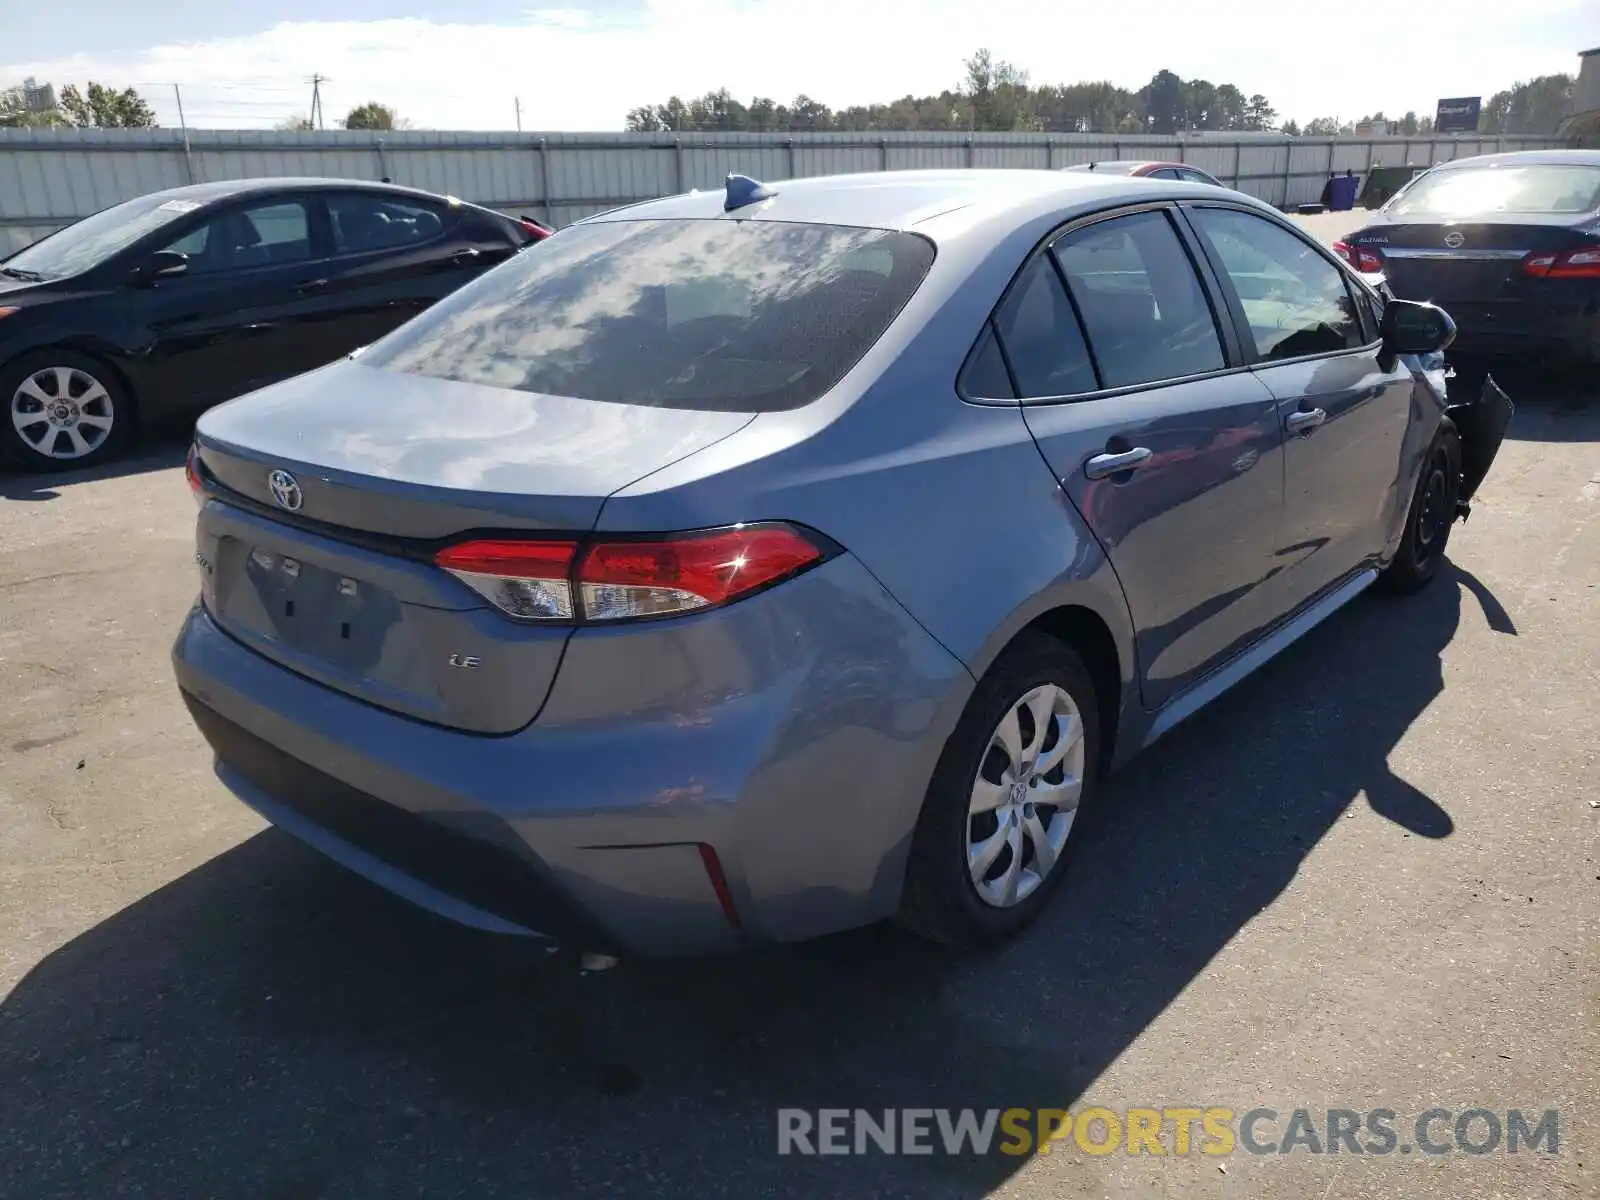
[(1120, 164), (982, 198), (1525, 158), (224, 189)]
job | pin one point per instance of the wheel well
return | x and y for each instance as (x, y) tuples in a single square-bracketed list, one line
[(1090, 637)]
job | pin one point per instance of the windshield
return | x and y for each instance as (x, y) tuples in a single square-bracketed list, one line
[(1535, 188), (89, 242), (743, 316)]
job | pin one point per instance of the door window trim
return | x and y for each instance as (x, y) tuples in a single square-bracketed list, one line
[(1230, 294), (1233, 350)]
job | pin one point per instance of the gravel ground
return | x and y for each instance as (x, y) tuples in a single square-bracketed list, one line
[(1369, 877)]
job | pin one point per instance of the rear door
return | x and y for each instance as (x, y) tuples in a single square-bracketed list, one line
[(237, 319), (1345, 415), (1170, 451), (393, 256)]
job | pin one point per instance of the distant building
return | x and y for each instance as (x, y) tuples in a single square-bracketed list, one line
[(32, 95)]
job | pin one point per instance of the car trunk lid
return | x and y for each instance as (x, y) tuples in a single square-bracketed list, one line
[(334, 490), (1477, 259)]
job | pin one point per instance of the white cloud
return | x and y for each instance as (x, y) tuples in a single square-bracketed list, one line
[(580, 70)]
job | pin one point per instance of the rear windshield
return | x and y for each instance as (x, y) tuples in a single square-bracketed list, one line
[(1535, 188), (744, 316)]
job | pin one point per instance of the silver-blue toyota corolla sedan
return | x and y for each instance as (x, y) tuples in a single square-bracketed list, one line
[(744, 566)]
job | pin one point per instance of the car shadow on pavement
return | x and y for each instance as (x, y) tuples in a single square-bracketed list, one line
[(269, 1026), (159, 448)]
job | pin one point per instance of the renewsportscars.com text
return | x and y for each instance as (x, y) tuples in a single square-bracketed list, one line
[(1178, 1130)]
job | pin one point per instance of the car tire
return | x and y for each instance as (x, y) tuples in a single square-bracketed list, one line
[(1431, 516), (61, 411), (950, 895)]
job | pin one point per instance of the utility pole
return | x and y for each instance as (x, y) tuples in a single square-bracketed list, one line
[(316, 101), (517, 101), (188, 159)]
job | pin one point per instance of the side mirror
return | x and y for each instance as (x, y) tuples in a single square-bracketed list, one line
[(163, 264), (1411, 327)]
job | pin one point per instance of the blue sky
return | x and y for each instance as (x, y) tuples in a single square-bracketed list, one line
[(581, 64)]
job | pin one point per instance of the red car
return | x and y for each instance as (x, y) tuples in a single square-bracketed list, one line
[(1157, 170)]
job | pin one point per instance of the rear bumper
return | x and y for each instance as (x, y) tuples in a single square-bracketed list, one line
[(1519, 328), (793, 733)]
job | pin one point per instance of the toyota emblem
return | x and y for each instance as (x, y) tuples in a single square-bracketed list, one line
[(285, 490), (1454, 240)]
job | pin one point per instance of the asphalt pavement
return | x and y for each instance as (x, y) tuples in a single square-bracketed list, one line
[(1367, 878)]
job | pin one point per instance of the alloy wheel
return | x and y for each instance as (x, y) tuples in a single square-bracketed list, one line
[(1025, 797), (62, 413)]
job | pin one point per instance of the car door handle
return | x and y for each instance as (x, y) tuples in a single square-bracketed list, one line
[(316, 285), (1305, 420), (1102, 465), (470, 254)]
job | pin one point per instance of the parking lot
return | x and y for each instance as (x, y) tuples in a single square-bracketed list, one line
[(1367, 878)]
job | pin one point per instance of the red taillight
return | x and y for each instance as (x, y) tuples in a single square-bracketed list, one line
[(622, 580), (719, 884), (191, 472), (1369, 262), (647, 579), (1573, 264), (536, 230)]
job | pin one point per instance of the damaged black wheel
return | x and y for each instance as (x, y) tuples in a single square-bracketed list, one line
[(1433, 512)]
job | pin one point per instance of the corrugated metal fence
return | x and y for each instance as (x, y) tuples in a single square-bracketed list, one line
[(49, 178)]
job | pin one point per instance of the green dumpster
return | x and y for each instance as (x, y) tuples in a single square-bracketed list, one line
[(1383, 182)]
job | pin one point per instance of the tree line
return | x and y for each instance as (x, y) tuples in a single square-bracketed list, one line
[(996, 96), (100, 107), (95, 107), (992, 96)]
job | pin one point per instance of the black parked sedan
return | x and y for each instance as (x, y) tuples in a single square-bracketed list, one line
[(1508, 244), (1149, 169), (184, 298)]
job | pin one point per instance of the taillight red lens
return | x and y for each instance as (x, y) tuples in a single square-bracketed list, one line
[(622, 580), (538, 231), (527, 580), (1574, 264), (1367, 261), (191, 472)]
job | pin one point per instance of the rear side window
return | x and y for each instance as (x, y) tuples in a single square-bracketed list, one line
[(1141, 301), (1041, 336), (744, 316), (1294, 299), (984, 377), (365, 221)]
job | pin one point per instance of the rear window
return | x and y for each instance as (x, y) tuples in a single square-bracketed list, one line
[(1535, 188), (744, 316)]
